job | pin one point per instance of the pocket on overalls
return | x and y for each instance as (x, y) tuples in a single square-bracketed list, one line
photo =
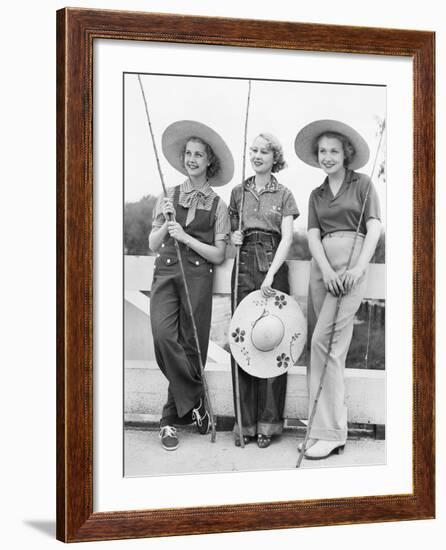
[(262, 258), (197, 261), (270, 253), (243, 256), (163, 263), (197, 266)]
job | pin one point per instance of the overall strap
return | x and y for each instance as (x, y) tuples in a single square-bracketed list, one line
[(214, 208), (176, 196)]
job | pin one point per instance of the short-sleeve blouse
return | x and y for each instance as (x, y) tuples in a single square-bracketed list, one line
[(342, 212), (262, 210)]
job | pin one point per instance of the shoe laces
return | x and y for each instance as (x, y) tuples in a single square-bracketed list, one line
[(197, 416), (168, 431)]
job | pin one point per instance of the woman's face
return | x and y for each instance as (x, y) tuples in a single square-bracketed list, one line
[(261, 156), (330, 155), (195, 159)]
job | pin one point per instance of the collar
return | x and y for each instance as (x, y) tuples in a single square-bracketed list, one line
[(271, 186), (205, 189), (350, 177)]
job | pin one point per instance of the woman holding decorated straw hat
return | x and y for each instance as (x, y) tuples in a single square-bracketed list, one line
[(334, 213), (268, 212), (201, 227)]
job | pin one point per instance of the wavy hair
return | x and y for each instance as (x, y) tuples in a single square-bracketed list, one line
[(214, 162), (347, 147), (275, 146)]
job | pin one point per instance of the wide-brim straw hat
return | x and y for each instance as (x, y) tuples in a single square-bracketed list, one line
[(175, 138), (305, 141), (267, 335)]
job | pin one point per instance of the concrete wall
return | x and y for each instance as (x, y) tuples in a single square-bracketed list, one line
[(146, 387), (138, 277)]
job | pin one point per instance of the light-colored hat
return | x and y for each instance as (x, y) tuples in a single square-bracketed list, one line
[(175, 138), (304, 143), (267, 335)]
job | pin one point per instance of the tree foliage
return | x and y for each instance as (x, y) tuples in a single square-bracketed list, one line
[(299, 249), (137, 226)]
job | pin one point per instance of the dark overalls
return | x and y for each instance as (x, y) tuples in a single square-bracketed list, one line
[(173, 337), (262, 400)]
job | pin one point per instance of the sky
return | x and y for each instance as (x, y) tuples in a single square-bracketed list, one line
[(278, 107)]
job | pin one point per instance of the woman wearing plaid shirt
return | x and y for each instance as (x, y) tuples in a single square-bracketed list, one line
[(268, 213)]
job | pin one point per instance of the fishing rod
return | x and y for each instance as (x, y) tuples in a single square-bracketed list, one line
[(338, 305), (237, 268), (171, 217)]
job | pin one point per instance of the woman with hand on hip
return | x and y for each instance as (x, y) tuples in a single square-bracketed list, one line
[(335, 210), (269, 209), (201, 227)]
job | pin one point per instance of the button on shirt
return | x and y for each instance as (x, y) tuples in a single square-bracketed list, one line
[(262, 210), (194, 200), (342, 212)]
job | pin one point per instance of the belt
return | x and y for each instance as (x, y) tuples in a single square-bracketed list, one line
[(256, 236), (256, 241), (343, 234)]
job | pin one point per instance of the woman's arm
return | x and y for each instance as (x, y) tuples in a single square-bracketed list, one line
[(212, 253), (352, 276), (280, 256), (158, 234), (332, 281)]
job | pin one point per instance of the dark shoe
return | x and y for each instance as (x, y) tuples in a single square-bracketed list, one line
[(202, 418), (263, 441), (169, 438), (246, 440)]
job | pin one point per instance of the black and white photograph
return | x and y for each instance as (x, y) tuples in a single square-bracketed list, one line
[(254, 261), (223, 248)]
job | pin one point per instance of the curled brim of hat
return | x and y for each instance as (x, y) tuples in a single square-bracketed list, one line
[(267, 335), (175, 138), (306, 142)]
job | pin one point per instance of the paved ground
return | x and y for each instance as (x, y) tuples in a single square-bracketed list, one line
[(144, 455)]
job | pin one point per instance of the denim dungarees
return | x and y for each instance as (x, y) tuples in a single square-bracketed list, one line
[(173, 337), (262, 400)]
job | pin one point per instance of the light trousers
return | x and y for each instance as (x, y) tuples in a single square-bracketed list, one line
[(330, 421)]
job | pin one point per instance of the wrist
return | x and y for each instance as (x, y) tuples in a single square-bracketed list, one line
[(361, 267)]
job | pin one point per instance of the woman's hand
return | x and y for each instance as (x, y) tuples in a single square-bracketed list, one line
[(237, 238), (168, 208), (176, 231), (266, 288), (351, 278), (332, 282)]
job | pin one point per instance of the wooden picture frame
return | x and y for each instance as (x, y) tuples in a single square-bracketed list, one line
[(77, 29)]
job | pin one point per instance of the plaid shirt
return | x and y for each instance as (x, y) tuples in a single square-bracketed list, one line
[(262, 210), (195, 200)]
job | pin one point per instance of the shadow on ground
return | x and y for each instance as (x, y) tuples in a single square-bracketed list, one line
[(48, 527)]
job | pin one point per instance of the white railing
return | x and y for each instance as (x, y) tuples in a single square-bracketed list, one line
[(145, 386), (138, 278), (139, 270)]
